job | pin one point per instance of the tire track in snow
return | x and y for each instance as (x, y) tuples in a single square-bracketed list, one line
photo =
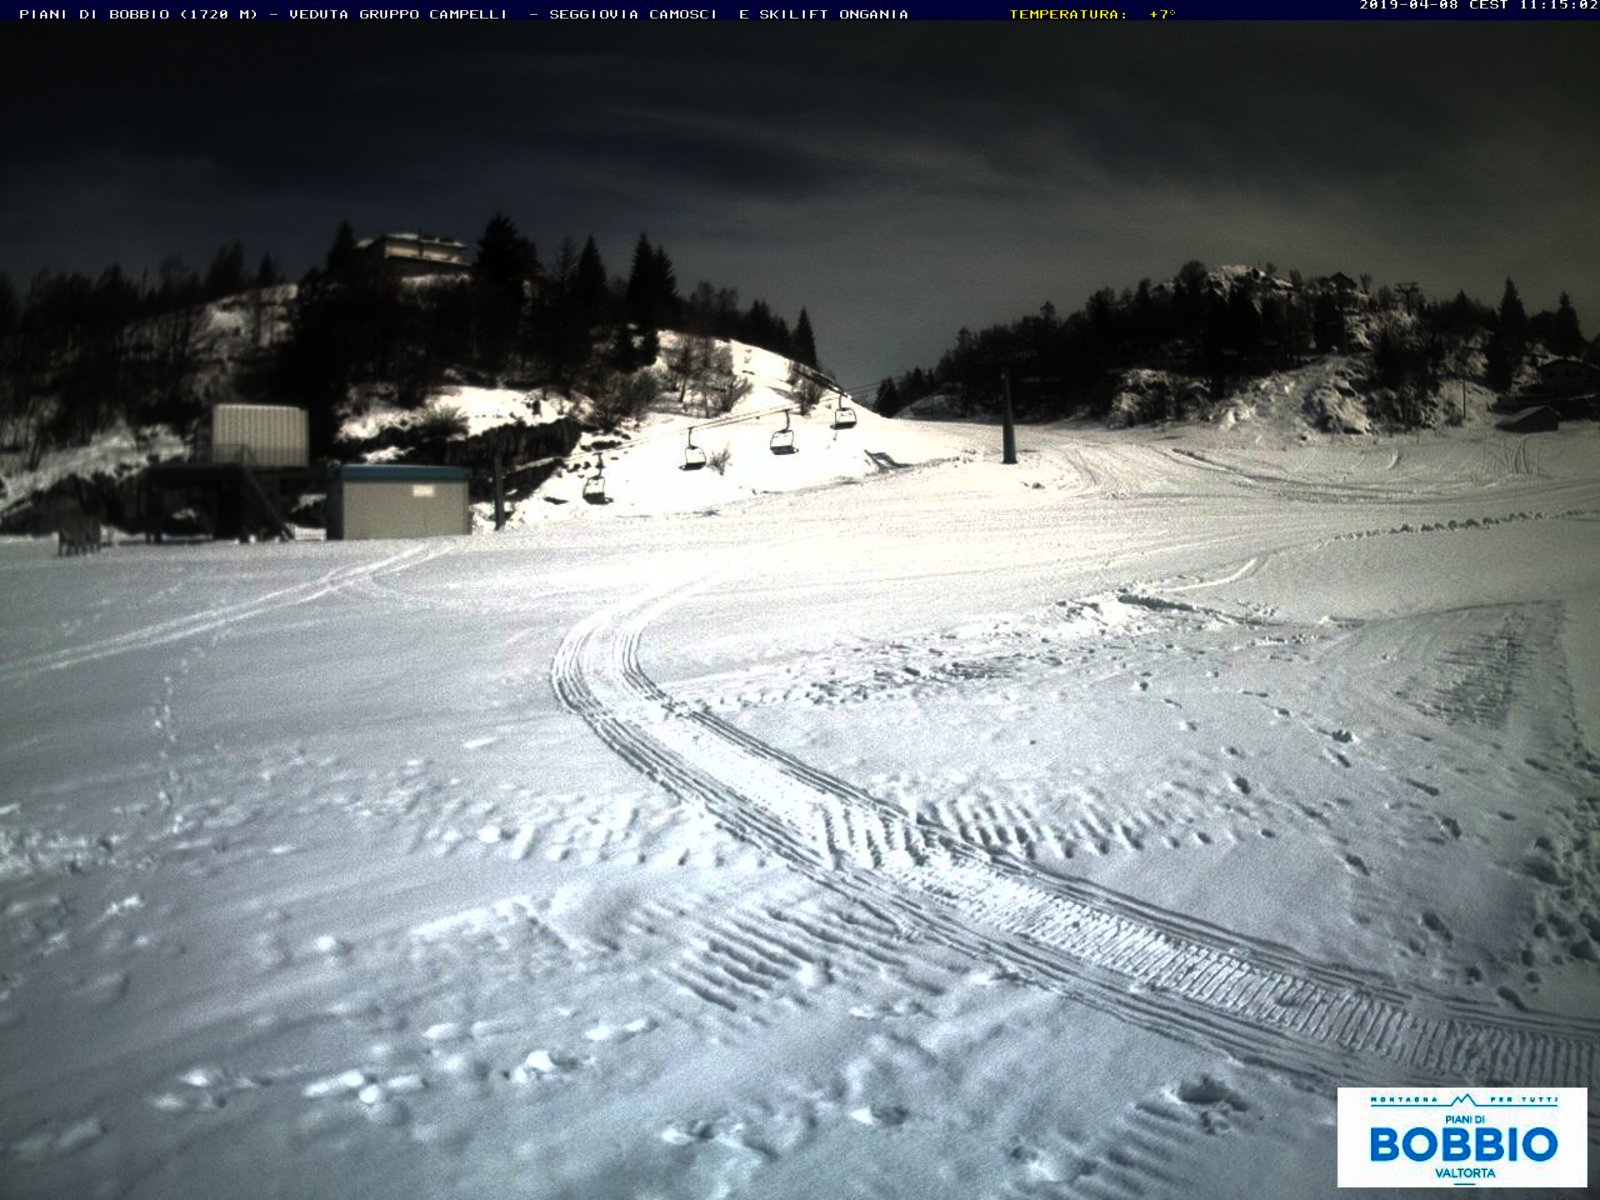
[(178, 628), (1166, 971)]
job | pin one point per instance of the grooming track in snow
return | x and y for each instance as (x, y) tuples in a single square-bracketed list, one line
[(195, 624), (1257, 1000)]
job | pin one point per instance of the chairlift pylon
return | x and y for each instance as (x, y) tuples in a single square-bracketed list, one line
[(594, 487), (782, 442), (693, 456)]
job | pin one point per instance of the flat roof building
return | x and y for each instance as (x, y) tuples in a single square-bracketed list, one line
[(384, 500), (414, 254)]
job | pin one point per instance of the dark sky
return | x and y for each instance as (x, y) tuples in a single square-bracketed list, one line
[(899, 181)]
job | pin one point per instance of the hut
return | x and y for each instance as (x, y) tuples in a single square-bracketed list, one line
[(1540, 418), (384, 500)]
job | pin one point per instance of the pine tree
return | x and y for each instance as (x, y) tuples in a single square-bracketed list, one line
[(565, 346), (652, 293), (343, 254), (1507, 344), (640, 293), (1512, 316), (225, 276), (758, 327), (1499, 364), (507, 261), (805, 343), (648, 349), (268, 274), (665, 281), (1568, 335), (589, 291)]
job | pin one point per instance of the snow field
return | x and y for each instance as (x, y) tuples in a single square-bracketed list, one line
[(1067, 829)]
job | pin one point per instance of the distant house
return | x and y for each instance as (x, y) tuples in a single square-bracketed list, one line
[(1568, 377), (417, 254), (1539, 418), (1569, 386)]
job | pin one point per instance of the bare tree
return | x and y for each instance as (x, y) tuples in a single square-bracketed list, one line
[(621, 397), (26, 406), (806, 388), (702, 368), (176, 336), (736, 389)]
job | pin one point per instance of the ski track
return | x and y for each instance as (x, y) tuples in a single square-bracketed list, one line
[(1257, 1000), (179, 628)]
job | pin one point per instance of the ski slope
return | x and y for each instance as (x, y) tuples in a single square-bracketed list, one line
[(959, 830)]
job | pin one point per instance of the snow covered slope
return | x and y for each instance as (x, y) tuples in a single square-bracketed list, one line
[(644, 468), (1065, 829)]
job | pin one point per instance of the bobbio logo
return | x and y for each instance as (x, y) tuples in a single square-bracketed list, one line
[(1463, 1137)]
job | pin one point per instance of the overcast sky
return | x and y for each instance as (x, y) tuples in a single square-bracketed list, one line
[(899, 181)]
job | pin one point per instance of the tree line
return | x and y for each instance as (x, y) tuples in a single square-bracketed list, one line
[(565, 322), (1225, 328), (79, 353)]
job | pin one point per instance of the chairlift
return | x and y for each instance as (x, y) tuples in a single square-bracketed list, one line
[(594, 487), (844, 417), (782, 442), (693, 457)]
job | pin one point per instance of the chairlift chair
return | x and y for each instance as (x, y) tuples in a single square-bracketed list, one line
[(693, 457), (844, 417), (782, 442)]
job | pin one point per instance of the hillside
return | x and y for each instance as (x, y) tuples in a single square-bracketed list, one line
[(96, 371), (643, 463), (1237, 343), (1269, 359)]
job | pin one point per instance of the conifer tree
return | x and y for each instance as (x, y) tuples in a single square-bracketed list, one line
[(805, 343), (343, 254), (589, 292), (1567, 335), (1513, 317), (225, 276), (639, 298), (665, 283), (268, 274), (507, 261), (1503, 354), (652, 295)]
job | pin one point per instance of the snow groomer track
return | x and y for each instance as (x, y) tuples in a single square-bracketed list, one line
[(1258, 1001)]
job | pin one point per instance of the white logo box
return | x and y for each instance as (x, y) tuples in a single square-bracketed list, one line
[(1454, 1137)]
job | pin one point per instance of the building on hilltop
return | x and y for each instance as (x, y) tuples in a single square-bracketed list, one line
[(1570, 386), (417, 254), (1568, 377)]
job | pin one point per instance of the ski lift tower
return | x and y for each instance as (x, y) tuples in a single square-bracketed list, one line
[(1008, 429)]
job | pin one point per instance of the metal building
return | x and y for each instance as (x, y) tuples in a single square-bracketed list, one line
[(380, 500), (248, 467), (258, 435)]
